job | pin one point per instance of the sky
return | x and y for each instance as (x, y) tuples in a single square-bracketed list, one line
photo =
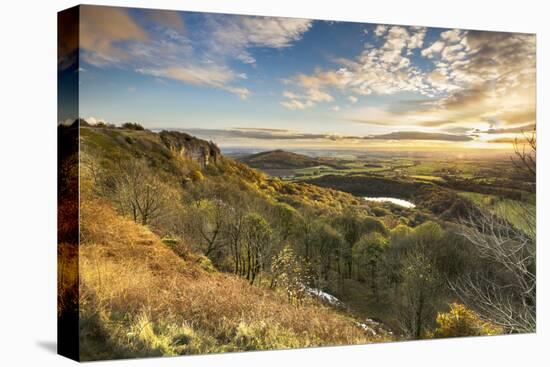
[(286, 82)]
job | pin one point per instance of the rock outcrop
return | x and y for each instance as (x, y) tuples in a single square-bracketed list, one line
[(189, 147)]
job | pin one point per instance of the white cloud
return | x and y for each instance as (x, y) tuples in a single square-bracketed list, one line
[(231, 35), (433, 49), (380, 30), (246, 58), (94, 121), (352, 99), (293, 104), (335, 108), (316, 95), (383, 70), (290, 95), (452, 36), (209, 75), (113, 37)]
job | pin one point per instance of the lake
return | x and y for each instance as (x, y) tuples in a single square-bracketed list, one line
[(400, 202)]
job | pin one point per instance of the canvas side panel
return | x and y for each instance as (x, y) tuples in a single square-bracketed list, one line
[(67, 184)]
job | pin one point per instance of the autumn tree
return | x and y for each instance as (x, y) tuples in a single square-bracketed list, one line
[(256, 240), (326, 253), (413, 255), (367, 255), (290, 273)]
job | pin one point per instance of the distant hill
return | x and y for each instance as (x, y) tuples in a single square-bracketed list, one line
[(281, 159)]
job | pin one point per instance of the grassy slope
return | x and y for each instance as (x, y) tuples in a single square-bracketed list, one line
[(511, 210), (105, 144), (138, 298)]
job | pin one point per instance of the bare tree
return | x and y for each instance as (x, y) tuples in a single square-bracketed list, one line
[(210, 219), (137, 191), (506, 296), (526, 155)]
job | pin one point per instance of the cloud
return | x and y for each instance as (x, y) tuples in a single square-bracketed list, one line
[(509, 140), (380, 30), (417, 135), (165, 18), (490, 77), (434, 49), (293, 104), (255, 133), (316, 95), (452, 36), (283, 134), (352, 99), (94, 120), (290, 95), (112, 37), (201, 75), (512, 130), (101, 28), (479, 80), (335, 108), (246, 58), (232, 35), (384, 70)]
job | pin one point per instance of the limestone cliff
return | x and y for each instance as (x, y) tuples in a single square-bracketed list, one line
[(187, 146)]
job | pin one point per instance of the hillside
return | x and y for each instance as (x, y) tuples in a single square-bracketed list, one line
[(142, 299), (186, 251), (181, 158), (281, 159)]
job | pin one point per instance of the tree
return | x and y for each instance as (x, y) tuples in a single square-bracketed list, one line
[(367, 255), (307, 230), (256, 240), (235, 234), (208, 219), (506, 294), (285, 221), (290, 273), (328, 245), (411, 265), (138, 192), (419, 287), (525, 158), (354, 224)]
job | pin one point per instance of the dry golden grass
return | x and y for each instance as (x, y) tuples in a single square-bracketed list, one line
[(138, 298)]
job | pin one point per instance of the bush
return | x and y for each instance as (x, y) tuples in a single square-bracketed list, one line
[(461, 321), (170, 241), (196, 175), (205, 263), (132, 126)]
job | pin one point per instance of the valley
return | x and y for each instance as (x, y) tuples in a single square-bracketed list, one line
[(368, 245)]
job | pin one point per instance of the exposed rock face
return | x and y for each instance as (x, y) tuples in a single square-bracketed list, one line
[(187, 146)]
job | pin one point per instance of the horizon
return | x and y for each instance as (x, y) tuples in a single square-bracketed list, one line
[(298, 83)]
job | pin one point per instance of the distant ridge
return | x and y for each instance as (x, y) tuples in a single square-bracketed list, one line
[(280, 159)]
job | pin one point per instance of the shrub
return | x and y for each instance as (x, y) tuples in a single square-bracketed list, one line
[(196, 175), (205, 263), (132, 126), (461, 321)]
